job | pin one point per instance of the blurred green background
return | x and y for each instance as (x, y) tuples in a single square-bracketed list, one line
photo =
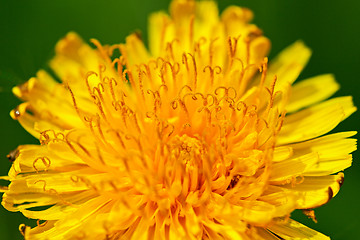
[(30, 29)]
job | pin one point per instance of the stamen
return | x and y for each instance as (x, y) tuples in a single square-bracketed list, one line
[(22, 229), (183, 88), (232, 48), (119, 65), (41, 224), (111, 82), (229, 99), (75, 179), (247, 41), (97, 102), (185, 61), (212, 71), (44, 184), (45, 160), (100, 157), (118, 136), (200, 42), (147, 71), (128, 73), (174, 68), (241, 106), (170, 49), (214, 100), (98, 90), (73, 100), (280, 122), (263, 70), (186, 125), (208, 113), (191, 35), (211, 51), (88, 74), (163, 126), (103, 53), (141, 84), (242, 65), (182, 105), (102, 69), (45, 137), (157, 98), (136, 123), (77, 143), (271, 93)]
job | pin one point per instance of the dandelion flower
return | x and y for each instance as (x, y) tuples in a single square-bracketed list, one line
[(197, 137)]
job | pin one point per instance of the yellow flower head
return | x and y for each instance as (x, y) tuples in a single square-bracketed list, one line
[(195, 138)]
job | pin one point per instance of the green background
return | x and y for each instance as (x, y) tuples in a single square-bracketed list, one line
[(30, 29)]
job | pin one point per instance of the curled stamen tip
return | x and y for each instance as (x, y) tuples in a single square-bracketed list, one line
[(22, 229)]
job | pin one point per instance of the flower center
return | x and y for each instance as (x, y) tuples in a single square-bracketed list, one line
[(187, 149)]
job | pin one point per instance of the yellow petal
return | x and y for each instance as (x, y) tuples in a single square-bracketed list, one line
[(293, 230), (265, 234), (311, 192), (332, 146), (286, 170), (287, 66), (315, 121), (134, 51), (310, 91), (333, 151), (282, 153), (160, 32), (326, 167), (73, 52)]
